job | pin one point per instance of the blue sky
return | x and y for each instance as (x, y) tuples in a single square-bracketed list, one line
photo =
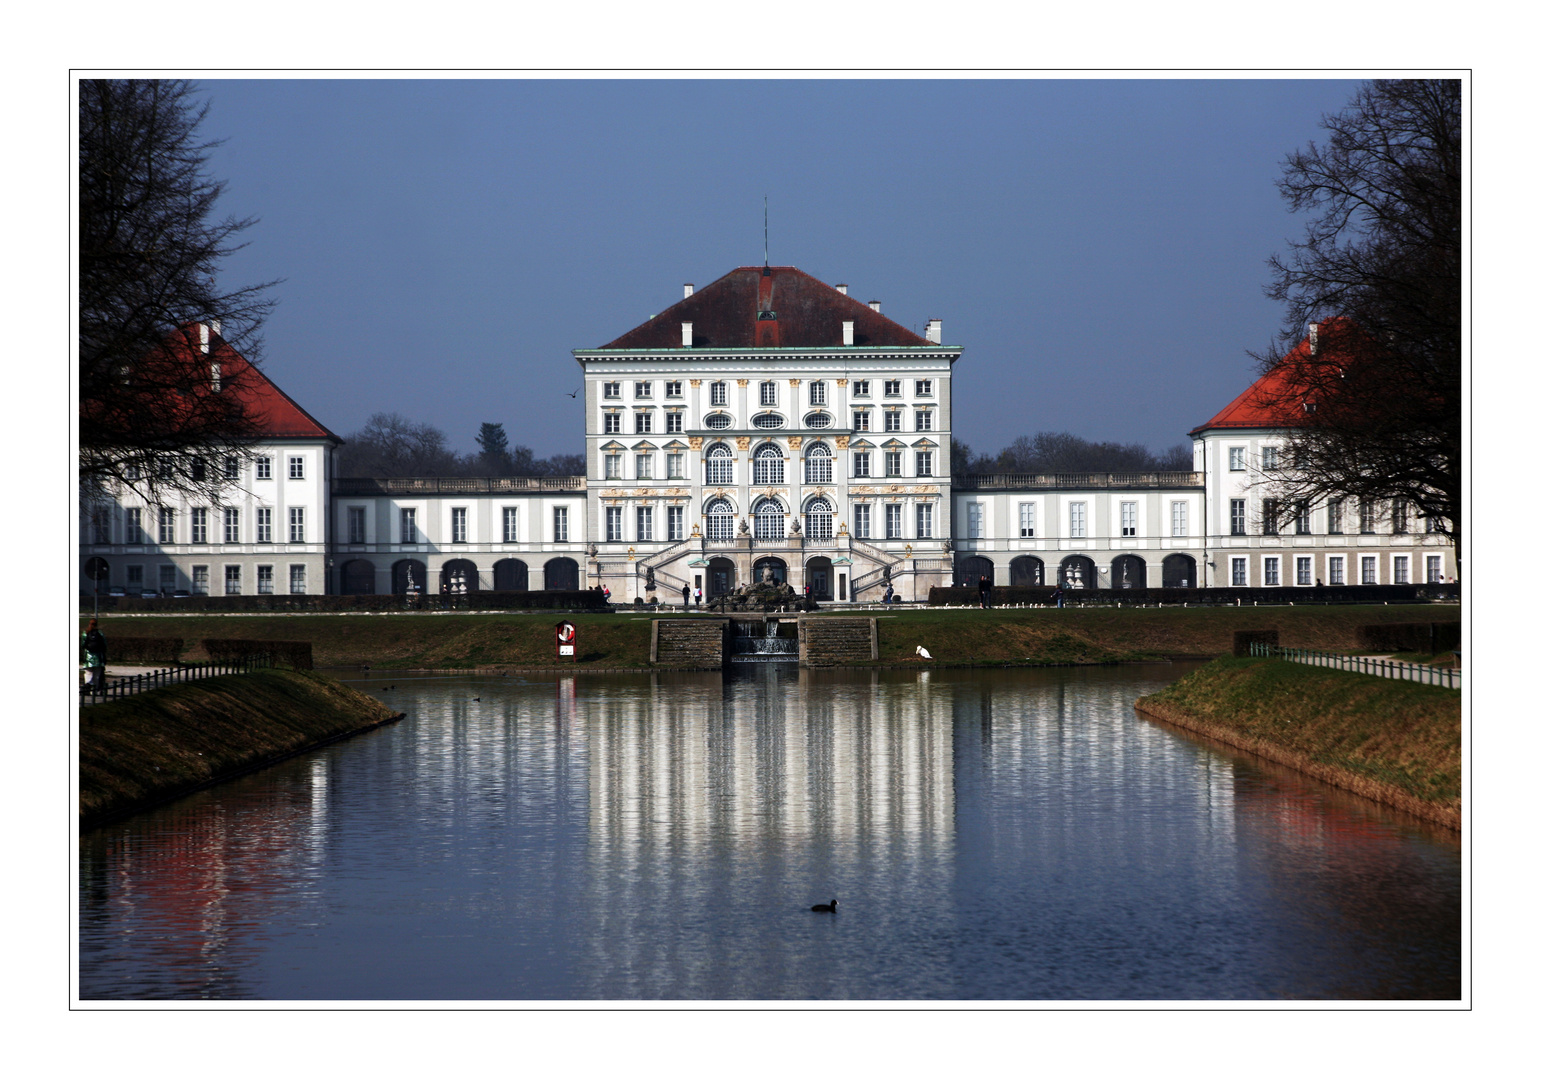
[(1098, 247)]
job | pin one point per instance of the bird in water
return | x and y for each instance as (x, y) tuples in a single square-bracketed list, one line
[(829, 907), (920, 650)]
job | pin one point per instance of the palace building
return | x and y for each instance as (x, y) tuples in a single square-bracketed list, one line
[(766, 423)]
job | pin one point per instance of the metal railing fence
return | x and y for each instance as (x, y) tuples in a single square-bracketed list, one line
[(127, 685), (1449, 678)]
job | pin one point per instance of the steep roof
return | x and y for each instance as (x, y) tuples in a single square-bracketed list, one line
[(727, 315), (1276, 400), (275, 413)]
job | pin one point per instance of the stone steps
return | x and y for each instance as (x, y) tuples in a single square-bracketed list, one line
[(831, 642)]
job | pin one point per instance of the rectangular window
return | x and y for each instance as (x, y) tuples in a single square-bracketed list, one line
[(133, 525), (1334, 516), (861, 464), (922, 387), (1399, 515), (232, 580), (200, 470), (297, 578), (891, 388), (168, 577), (894, 524), (232, 525), (1238, 571), (167, 470), (892, 420), (767, 394), (510, 524), (922, 463), (676, 465), (1128, 516), (200, 579), (923, 521), (1078, 519), (1431, 523), (1367, 565), (409, 525), (559, 524), (1271, 570), (922, 419), (644, 466), (1401, 571), (612, 466), (612, 423), (355, 524), (863, 521), (894, 462), (1027, 519), (296, 524), (1335, 570), (642, 389), (976, 520), (644, 421), (168, 525), (861, 388), (264, 524), (1238, 517), (719, 393), (1366, 515), (232, 468), (816, 393), (676, 523), (1303, 570), (1270, 457), (1180, 518), (1238, 456), (674, 422), (264, 468), (644, 523), (296, 468), (1270, 517), (1434, 569), (1302, 518), (861, 420), (457, 524), (264, 579), (612, 390), (136, 578), (674, 389), (101, 526)]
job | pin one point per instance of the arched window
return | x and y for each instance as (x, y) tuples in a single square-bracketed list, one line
[(719, 520), (769, 520), (821, 520), (719, 464), (769, 466), (819, 465)]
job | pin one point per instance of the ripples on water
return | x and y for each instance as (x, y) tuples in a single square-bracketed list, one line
[(990, 835)]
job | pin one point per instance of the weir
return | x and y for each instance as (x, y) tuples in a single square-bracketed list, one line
[(762, 642)]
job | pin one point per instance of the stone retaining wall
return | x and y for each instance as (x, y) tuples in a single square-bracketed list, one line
[(696, 643), (830, 642)]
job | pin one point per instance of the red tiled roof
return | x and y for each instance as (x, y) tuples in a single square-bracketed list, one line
[(274, 412), (726, 315), (1275, 400)]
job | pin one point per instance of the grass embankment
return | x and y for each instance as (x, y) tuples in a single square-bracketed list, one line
[(160, 744), (953, 636), (1394, 741)]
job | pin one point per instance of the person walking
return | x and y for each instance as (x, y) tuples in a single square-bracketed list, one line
[(984, 592), (888, 594), (684, 596), (94, 645), (698, 596), (1059, 596)]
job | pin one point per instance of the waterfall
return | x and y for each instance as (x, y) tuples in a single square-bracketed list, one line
[(761, 643)]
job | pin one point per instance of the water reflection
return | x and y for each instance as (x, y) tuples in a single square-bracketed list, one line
[(989, 835)]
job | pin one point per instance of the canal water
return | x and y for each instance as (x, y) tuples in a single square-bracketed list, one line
[(1007, 835)]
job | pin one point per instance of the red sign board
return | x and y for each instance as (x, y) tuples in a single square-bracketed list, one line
[(566, 640)]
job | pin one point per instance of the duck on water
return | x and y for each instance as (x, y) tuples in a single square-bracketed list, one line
[(829, 907)]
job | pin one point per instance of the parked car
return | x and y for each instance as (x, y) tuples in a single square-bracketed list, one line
[(181, 593), (117, 590), (149, 594)]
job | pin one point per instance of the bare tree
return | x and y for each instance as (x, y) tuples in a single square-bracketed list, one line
[(391, 445), (164, 351), (1062, 452), (1368, 364)]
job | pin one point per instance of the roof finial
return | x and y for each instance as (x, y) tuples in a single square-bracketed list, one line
[(767, 232)]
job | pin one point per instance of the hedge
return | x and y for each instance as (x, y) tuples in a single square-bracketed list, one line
[(293, 654), (1000, 596), (143, 650), (489, 600), (1431, 638)]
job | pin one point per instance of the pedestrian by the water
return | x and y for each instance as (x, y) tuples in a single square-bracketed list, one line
[(698, 596), (1058, 597), (984, 592), (684, 596), (94, 646)]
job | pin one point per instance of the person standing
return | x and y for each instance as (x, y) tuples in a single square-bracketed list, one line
[(888, 594), (698, 596), (94, 646), (684, 596), (1059, 596), (984, 592)]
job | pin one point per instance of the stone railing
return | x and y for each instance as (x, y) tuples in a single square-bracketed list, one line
[(454, 485), (1084, 480)]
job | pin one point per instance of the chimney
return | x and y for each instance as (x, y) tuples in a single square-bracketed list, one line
[(934, 330), (687, 334), (1313, 337), (848, 332), (841, 288), (690, 288), (876, 305)]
